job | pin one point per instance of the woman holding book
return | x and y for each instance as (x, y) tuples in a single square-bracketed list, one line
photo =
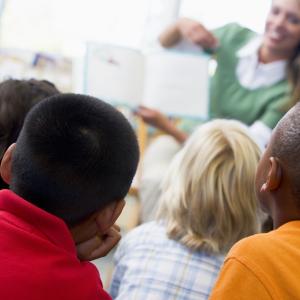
[(256, 79)]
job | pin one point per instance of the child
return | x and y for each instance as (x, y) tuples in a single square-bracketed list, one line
[(266, 266), (208, 203), (16, 99), (72, 165)]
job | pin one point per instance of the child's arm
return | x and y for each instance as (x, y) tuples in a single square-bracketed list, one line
[(158, 120)]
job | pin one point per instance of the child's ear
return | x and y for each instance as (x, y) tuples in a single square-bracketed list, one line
[(109, 215), (5, 168), (274, 176)]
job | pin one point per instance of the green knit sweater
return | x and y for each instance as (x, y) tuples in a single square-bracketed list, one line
[(228, 98)]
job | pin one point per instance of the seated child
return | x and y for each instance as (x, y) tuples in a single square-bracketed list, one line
[(267, 266), (16, 99), (72, 165), (208, 203)]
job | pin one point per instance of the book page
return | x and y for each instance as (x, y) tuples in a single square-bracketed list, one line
[(114, 74), (177, 83)]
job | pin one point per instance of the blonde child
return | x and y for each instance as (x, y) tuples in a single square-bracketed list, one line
[(208, 203)]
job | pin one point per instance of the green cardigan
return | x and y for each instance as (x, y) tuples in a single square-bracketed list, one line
[(230, 100)]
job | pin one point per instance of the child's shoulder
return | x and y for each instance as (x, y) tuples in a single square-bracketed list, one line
[(260, 245), (141, 237), (146, 229), (250, 244), (145, 233), (256, 247)]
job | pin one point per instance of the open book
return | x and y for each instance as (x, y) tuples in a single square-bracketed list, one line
[(174, 82)]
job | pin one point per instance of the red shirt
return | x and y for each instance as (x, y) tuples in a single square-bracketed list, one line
[(38, 256)]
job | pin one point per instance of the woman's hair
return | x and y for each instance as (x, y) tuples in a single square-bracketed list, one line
[(208, 197), (293, 75)]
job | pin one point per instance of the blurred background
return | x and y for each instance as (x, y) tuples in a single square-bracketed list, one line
[(48, 40), (43, 38)]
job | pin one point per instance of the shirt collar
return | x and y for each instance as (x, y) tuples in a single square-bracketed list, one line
[(49, 225), (251, 50)]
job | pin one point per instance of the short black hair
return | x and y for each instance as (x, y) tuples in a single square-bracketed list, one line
[(17, 97), (286, 146), (74, 155)]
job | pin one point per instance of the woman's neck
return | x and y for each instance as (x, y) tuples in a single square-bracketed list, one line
[(266, 55)]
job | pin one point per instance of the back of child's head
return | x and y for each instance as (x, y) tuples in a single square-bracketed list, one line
[(16, 99), (208, 197), (285, 145), (75, 155)]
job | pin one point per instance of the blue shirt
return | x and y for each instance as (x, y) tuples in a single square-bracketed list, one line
[(149, 265)]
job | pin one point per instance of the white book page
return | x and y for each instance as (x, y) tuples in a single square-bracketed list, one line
[(177, 83), (115, 74)]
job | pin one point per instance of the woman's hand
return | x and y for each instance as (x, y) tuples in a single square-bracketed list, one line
[(154, 118), (160, 121), (196, 33)]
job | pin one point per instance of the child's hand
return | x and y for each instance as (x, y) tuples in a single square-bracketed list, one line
[(95, 236), (153, 117), (160, 121), (99, 246)]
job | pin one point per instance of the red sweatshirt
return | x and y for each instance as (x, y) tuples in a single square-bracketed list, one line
[(38, 256)]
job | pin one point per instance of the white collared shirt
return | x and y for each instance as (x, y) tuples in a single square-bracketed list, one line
[(253, 74)]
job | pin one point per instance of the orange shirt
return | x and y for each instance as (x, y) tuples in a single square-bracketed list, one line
[(263, 266)]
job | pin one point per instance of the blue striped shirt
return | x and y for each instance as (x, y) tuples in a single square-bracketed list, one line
[(149, 265)]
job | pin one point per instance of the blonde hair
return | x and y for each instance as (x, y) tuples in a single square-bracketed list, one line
[(208, 196)]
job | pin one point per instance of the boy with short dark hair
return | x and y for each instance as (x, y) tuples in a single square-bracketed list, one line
[(266, 266), (17, 97), (71, 167)]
